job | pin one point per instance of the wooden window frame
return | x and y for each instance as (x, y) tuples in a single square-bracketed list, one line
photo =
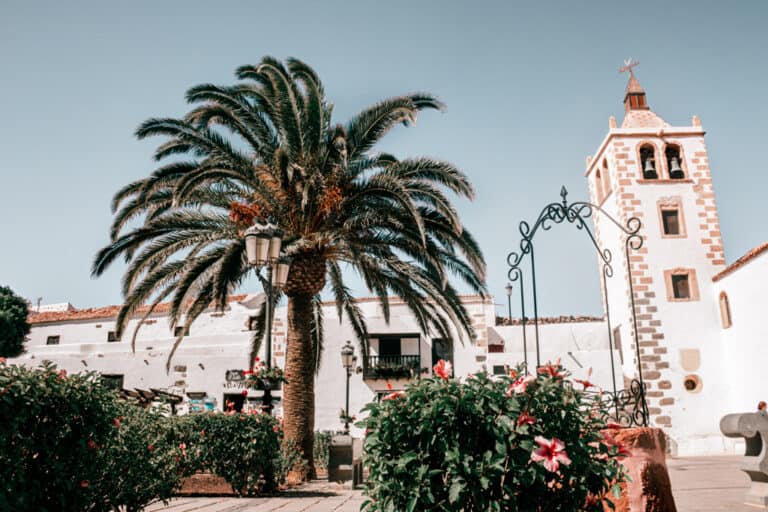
[(671, 203), (56, 337), (693, 284)]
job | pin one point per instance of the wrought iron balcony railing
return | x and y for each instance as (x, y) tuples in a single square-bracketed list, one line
[(391, 367)]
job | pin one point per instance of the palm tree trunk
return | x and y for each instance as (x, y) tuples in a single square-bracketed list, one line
[(299, 391)]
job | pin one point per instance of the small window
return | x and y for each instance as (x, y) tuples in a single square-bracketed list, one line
[(112, 336), (681, 288), (606, 178), (673, 162), (599, 186), (52, 340), (499, 369), (670, 220), (179, 329), (113, 381), (648, 162), (725, 311), (617, 343)]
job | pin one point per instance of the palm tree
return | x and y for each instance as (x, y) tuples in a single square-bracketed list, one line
[(266, 148)]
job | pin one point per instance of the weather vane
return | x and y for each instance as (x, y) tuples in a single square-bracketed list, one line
[(628, 65)]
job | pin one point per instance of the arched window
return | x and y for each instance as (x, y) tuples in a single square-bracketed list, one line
[(648, 162), (672, 152), (606, 178), (725, 311), (599, 186)]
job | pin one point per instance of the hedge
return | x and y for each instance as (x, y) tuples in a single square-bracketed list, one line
[(68, 443)]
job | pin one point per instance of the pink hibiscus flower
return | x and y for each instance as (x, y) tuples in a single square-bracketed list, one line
[(519, 386), (525, 419), (443, 369), (392, 396), (552, 370), (551, 453)]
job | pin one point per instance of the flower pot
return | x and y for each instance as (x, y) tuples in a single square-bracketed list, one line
[(650, 489)]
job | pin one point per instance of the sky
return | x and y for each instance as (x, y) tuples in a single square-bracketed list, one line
[(529, 88)]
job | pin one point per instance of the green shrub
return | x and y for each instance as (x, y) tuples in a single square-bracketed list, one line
[(13, 323), (322, 442), (67, 443), (244, 449), (474, 445)]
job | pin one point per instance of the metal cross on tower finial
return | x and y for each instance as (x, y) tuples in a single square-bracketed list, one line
[(628, 65)]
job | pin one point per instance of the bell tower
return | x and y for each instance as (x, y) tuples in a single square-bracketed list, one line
[(659, 173)]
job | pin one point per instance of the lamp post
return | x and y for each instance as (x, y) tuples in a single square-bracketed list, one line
[(509, 302), (263, 242), (348, 359)]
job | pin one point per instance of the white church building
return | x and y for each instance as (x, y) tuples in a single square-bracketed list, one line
[(699, 321)]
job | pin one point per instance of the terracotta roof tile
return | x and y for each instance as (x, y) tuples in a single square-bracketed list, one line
[(105, 312), (754, 253), (562, 319)]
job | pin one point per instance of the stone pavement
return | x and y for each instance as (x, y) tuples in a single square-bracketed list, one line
[(709, 484), (316, 496), (700, 484)]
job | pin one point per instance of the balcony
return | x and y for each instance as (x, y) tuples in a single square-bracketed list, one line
[(391, 367)]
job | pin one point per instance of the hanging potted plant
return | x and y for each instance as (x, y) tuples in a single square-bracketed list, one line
[(263, 378)]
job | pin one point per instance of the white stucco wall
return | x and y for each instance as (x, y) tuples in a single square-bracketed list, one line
[(745, 342)]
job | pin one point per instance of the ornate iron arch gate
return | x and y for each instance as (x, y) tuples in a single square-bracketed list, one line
[(629, 404)]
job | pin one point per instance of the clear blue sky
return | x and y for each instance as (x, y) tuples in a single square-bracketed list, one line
[(529, 88)]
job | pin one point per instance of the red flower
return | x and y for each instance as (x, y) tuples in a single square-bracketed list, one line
[(525, 419), (585, 383), (591, 500), (150, 447), (275, 428), (116, 422), (84, 484), (62, 373), (512, 374), (389, 386), (256, 360), (551, 453), (621, 449), (2, 360), (245, 392), (247, 372), (443, 369), (392, 396), (613, 425), (91, 444), (520, 385), (552, 370)]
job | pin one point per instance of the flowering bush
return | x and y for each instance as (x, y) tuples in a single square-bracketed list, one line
[(244, 449), (517, 443), (67, 443)]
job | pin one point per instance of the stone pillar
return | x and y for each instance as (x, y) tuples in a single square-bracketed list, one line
[(650, 489)]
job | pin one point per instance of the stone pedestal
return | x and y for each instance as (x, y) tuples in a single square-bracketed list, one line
[(650, 489), (345, 459), (753, 427)]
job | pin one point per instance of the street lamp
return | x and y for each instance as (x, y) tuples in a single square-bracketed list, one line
[(348, 359), (509, 302), (263, 242)]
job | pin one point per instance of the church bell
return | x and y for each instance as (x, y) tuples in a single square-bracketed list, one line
[(675, 172), (649, 171)]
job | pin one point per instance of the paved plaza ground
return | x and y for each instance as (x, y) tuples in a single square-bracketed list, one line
[(700, 484)]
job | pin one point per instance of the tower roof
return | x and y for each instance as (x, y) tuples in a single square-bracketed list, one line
[(637, 112)]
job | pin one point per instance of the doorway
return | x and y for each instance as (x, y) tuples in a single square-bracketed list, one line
[(234, 402)]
